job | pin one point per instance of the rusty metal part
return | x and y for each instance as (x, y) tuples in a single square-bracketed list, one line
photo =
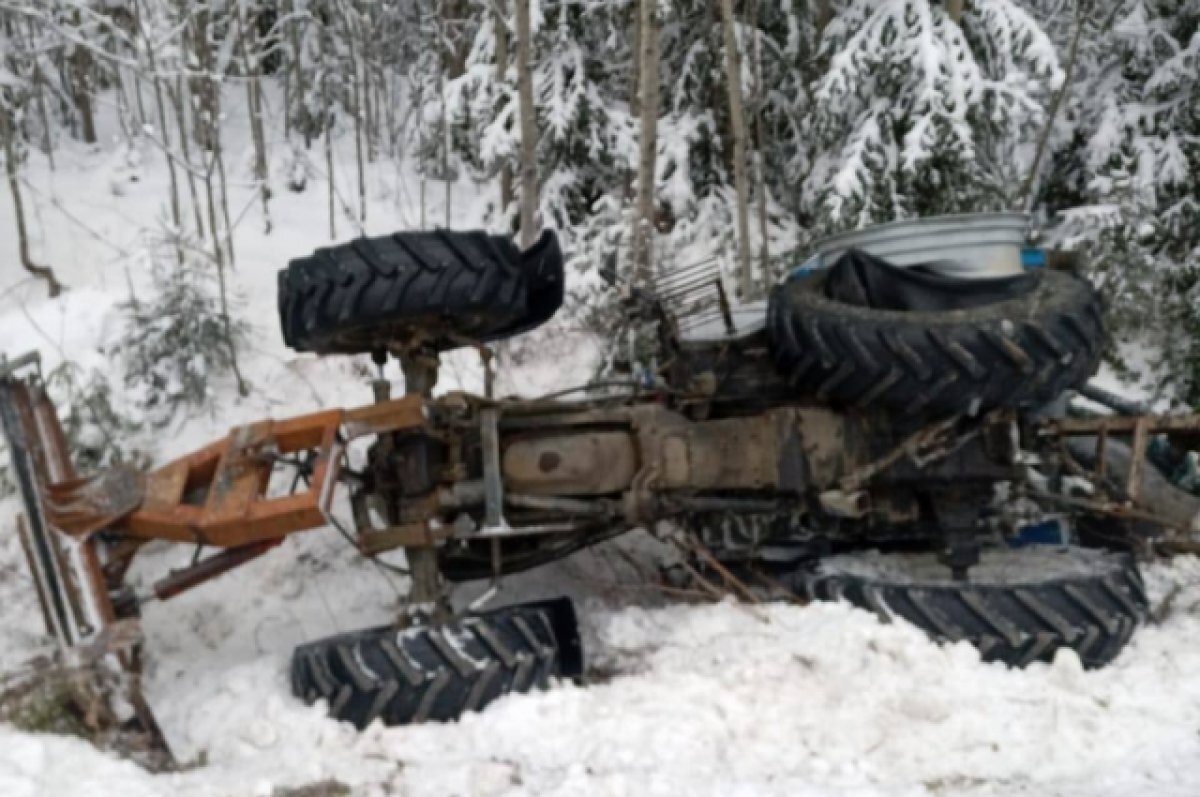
[(408, 535), (786, 449), (586, 463), (921, 447), (217, 495), (118, 557), (420, 367), (70, 573), (567, 506), (1157, 496), (1123, 424), (427, 591), (45, 601), (1138, 493), (79, 507), (493, 478), (408, 412), (735, 453), (1137, 463), (1115, 509), (558, 415), (558, 527), (206, 569)]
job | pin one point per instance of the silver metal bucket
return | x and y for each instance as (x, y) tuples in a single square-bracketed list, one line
[(961, 245)]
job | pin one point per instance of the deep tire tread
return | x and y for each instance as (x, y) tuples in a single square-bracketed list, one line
[(1094, 614), (1016, 353), (439, 287), (431, 673)]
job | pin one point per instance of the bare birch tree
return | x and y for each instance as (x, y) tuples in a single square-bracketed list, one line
[(528, 115), (252, 74), (647, 103), (9, 133), (500, 17), (737, 120)]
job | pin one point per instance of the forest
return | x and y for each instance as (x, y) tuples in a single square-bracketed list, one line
[(165, 161), (656, 133)]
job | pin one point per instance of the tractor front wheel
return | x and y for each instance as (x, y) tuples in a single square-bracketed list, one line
[(1018, 606), (439, 672)]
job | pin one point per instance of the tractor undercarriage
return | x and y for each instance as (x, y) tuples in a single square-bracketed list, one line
[(720, 441)]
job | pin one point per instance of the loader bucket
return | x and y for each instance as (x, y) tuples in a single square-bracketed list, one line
[(61, 510)]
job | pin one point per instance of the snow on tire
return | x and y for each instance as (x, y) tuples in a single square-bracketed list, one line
[(430, 673), (1019, 606), (1019, 352)]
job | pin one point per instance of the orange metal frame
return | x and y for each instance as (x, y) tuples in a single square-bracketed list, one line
[(217, 495)]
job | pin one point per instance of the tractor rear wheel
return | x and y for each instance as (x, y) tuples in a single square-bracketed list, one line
[(1021, 351)]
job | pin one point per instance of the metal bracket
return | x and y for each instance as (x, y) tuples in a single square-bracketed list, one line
[(493, 482)]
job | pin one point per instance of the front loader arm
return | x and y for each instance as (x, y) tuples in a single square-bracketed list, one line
[(80, 534)]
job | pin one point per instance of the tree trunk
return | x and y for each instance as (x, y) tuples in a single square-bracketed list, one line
[(8, 132), (760, 138), (500, 17), (176, 211), (366, 24), (39, 90), (251, 68), (176, 96), (356, 92), (201, 84), (165, 134), (137, 72), (303, 121), (218, 255), (81, 78), (327, 121), (1029, 189), (954, 8), (824, 15), (529, 186), (454, 60), (647, 102), (737, 120)]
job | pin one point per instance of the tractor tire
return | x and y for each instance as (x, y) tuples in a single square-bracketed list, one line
[(1019, 352), (439, 673), (439, 289), (1021, 605)]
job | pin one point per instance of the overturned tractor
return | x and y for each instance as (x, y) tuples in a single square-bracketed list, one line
[(865, 408)]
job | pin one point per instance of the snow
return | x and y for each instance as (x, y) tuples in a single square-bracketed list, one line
[(706, 700), (722, 699)]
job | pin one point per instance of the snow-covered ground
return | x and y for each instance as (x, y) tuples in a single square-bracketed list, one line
[(721, 699)]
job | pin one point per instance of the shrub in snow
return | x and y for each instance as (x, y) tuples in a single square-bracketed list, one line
[(298, 169), (176, 341), (99, 432)]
